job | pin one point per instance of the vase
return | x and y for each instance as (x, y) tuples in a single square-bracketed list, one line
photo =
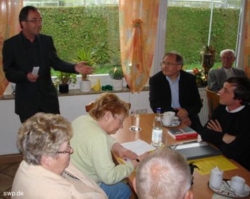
[(85, 85), (117, 84)]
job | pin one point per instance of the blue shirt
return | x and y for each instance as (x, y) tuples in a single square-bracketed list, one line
[(174, 87)]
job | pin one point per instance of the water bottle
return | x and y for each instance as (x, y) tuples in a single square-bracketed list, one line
[(157, 129)]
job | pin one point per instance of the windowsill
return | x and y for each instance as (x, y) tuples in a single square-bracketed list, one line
[(74, 92)]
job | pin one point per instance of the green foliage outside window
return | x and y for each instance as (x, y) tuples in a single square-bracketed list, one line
[(97, 28), (187, 31)]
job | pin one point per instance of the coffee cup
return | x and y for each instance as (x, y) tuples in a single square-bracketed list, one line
[(216, 177), (237, 184), (168, 117)]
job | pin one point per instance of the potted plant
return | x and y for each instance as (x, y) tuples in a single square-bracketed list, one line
[(116, 75), (63, 79), (85, 55), (200, 77)]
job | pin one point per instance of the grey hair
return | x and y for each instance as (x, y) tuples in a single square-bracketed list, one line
[(227, 50), (178, 57), (43, 134), (163, 174)]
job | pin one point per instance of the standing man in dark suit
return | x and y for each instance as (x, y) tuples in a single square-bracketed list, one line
[(34, 92), (173, 89), (217, 77)]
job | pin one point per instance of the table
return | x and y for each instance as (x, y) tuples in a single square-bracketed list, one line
[(200, 187)]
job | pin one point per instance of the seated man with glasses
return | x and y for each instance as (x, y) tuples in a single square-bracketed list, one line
[(46, 171), (217, 77), (173, 89)]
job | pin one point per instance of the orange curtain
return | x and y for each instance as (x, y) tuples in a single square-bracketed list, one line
[(138, 27), (9, 26), (247, 40)]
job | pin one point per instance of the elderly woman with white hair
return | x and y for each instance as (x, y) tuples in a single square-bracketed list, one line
[(46, 171)]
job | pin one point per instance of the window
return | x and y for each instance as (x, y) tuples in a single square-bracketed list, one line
[(192, 24)]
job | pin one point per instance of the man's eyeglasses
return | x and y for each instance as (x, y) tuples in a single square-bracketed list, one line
[(35, 20), (169, 64), (228, 57), (69, 150)]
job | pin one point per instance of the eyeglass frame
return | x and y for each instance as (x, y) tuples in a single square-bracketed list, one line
[(69, 150), (163, 63), (34, 20), (228, 57), (120, 120)]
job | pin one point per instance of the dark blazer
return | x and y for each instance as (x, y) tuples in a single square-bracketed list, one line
[(32, 97), (189, 97), (217, 77)]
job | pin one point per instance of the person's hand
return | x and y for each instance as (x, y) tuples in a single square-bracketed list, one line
[(186, 121), (123, 152), (228, 138), (127, 154), (214, 125), (139, 159), (82, 68), (182, 113), (31, 77)]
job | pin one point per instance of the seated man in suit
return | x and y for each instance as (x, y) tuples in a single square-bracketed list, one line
[(216, 77), (228, 128), (163, 174), (173, 89)]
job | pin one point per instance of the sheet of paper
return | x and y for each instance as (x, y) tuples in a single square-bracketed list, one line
[(139, 147), (35, 70), (207, 164)]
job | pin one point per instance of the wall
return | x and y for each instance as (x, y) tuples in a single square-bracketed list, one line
[(70, 106)]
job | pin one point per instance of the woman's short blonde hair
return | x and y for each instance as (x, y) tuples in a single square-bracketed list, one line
[(108, 102), (43, 134)]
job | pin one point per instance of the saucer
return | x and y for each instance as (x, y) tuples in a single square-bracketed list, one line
[(225, 190), (173, 124), (134, 129)]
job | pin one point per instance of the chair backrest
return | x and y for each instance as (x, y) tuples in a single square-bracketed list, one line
[(212, 101), (89, 106)]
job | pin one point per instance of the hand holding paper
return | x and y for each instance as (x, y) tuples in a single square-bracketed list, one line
[(35, 70)]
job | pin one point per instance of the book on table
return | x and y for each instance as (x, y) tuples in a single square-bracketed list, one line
[(183, 133)]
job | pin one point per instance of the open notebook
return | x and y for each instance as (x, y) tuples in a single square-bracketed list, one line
[(197, 150)]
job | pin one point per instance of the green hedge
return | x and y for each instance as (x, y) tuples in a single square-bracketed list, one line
[(97, 28), (187, 31)]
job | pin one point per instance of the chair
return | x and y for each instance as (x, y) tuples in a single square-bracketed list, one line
[(89, 106), (212, 101)]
